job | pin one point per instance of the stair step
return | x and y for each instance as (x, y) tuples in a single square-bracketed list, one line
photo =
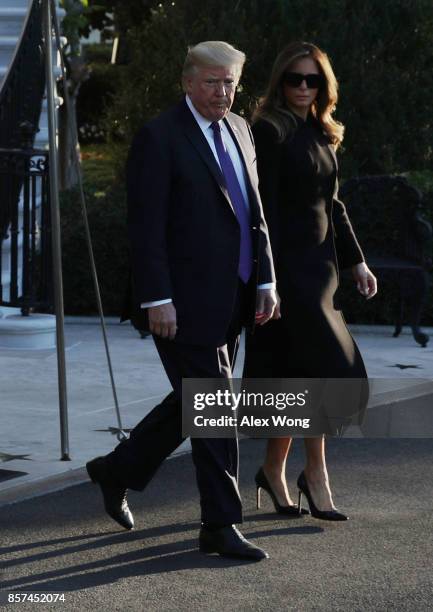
[(13, 12), (12, 21), (8, 42), (13, 5), (37, 331), (7, 48), (41, 137), (11, 28)]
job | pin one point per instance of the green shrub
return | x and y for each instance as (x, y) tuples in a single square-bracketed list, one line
[(97, 53), (107, 219), (94, 99), (106, 202), (381, 53), (384, 307), (382, 56)]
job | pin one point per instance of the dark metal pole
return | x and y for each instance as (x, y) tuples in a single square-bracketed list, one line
[(56, 237), (121, 435)]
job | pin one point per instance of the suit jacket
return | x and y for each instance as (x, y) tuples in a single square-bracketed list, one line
[(184, 234)]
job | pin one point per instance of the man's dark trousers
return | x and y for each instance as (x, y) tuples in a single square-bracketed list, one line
[(135, 460)]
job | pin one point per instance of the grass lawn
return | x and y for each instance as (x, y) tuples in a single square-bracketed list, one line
[(99, 165)]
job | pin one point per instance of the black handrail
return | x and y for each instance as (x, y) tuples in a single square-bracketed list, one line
[(22, 171), (21, 96), (23, 87), (29, 258)]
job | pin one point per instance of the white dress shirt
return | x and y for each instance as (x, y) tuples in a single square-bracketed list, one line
[(205, 126), (231, 148)]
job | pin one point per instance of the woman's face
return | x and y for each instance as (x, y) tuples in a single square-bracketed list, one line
[(299, 97)]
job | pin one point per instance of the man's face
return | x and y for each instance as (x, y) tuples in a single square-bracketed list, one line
[(212, 90)]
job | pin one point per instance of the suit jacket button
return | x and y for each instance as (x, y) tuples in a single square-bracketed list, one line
[(254, 228)]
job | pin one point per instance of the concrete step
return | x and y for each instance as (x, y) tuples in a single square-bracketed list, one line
[(41, 137), (8, 43), (12, 12), (12, 21), (10, 28), (5, 60), (37, 331), (14, 4), (7, 49)]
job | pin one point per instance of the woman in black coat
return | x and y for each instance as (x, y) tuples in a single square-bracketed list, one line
[(311, 238)]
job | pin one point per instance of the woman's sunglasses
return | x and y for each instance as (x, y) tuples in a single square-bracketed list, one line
[(294, 79)]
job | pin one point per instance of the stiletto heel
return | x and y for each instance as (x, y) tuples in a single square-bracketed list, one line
[(299, 501), (263, 483), (326, 515)]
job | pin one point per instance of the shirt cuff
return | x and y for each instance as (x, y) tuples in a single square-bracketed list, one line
[(157, 303), (266, 286)]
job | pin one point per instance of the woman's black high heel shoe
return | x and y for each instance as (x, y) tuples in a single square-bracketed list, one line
[(263, 483), (326, 515)]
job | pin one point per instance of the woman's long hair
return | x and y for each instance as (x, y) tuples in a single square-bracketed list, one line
[(272, 106)]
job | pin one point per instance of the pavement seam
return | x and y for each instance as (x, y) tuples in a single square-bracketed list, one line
[(53, 484)]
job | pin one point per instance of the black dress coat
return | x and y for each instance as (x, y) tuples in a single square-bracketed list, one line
[(311, 239), (183, 231)]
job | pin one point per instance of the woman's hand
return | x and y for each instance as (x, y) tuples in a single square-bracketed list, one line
[(277, 311), (366, 282)]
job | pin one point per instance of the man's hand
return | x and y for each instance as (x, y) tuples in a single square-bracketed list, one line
[(162, 320), (265, 305), (366, 282)]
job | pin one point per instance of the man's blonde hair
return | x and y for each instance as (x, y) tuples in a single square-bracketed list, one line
[(213, 53)]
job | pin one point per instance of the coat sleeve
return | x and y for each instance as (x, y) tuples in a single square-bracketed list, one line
[(148, 193), (268, 152), (266, 272), (349, 252)]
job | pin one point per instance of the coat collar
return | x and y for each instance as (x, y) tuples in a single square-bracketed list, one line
[(244, 144)]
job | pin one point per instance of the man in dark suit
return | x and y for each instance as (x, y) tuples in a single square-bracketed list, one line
[(202, 268)]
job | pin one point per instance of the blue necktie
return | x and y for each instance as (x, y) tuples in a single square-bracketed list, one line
[(238, 202)]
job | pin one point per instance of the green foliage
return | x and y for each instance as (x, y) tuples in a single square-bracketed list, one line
[(73, 23), (383, 308), (381, 53), (423, 180), (97, 163), (96, 95), (98, 17), (117, 15), (97, 53), (381, 220), (106, 207), (152, 78)]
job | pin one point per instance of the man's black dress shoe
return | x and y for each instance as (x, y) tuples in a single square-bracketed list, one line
[(229, 542), (114, 495)]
